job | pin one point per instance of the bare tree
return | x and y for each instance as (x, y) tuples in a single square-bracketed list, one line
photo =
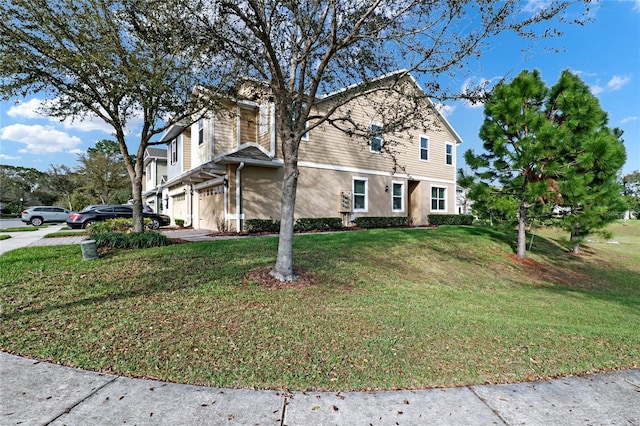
[(303, 49), (117, 60)]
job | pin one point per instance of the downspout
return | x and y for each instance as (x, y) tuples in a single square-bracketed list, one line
[(238, 206)]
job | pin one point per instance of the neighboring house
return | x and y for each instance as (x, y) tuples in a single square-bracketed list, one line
[(155, 175), (463, 202), (227, 168)]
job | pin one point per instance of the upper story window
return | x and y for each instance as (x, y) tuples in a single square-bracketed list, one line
[(360, 196), (376, 138), (148, 172), (201, 131), (264, 119), (424, 148), (173, 151), (449, 154)]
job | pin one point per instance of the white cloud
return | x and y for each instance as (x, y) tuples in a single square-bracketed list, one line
[(636, 5), (534, 6), (87, 124), (477, 88), (8, 157), (445, 110), (617, 82), (595, 89), (29, 109), (628, 119), (32, 109), (39, 139)]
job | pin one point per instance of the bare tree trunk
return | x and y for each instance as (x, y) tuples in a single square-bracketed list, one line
[(136, 191), (283, 270), (522, 236), (575, 239)]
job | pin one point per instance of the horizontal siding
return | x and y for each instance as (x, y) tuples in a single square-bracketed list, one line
[(327, 145)]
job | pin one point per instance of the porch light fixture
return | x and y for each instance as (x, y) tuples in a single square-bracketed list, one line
[(386, 188)]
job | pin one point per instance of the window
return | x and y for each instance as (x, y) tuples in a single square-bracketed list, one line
[(449, 154), (360, 194), (201, 131), (305, 137), (148, 172), (174, 151), (438, 199), (376, 138), (264, 119), (424, 148), (397, 197)]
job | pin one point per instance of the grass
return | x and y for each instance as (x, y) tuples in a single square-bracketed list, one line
[(23, 228), (396, 308)]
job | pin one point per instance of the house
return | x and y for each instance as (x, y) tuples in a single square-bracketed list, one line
[(227, 167), (155, 175)]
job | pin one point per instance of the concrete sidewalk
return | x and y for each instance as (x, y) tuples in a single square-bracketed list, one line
[(39, 393), (36, 238), (28, 238)]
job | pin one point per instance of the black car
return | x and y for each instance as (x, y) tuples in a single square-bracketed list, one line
[(96, 213)]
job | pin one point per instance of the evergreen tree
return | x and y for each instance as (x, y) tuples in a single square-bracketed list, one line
[(593, 155), (551, 146)]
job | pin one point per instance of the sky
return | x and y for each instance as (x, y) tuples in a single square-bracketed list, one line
[(604, 53)]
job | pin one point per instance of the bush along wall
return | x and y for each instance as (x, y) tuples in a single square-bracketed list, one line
[(381, 222), (302, 224), (318, 224), (450, 219), (261, 225)]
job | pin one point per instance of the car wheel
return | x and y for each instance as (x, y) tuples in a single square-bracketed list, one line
[(36, 221), (89, 223), (155, 224)]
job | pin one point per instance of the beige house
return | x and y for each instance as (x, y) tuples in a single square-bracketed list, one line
[(227, 168)]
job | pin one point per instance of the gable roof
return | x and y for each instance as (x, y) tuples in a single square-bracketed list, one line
[(402, 73)]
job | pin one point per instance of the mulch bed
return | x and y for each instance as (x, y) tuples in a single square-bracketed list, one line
[(262, 277)]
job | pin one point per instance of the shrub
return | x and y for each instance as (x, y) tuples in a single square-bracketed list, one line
[(319, 224), (450, 219), (179, 222), (261, 225), (120, 224), (144, 239), (381, 222)]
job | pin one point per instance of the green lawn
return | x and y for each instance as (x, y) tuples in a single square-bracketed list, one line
[(399, 308)]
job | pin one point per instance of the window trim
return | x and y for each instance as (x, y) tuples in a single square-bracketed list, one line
[(420, 148), (263, 119), (448, 156), (444, 198), (200, 131), (402, 196), (373, 136), (173, 151), (366, 194)]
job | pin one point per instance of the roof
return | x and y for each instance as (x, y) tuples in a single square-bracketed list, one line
[(249, 153), (156, 152), (396, 74)]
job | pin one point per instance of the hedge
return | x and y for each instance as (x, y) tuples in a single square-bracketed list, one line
[(450, 219), (261, 225), (318, 224), (133, 240), (381, 222), (302, 224)]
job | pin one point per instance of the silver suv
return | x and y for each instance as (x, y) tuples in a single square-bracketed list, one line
[(38, 215)]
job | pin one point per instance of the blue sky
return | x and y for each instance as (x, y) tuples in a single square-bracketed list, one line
[(605, 53)]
